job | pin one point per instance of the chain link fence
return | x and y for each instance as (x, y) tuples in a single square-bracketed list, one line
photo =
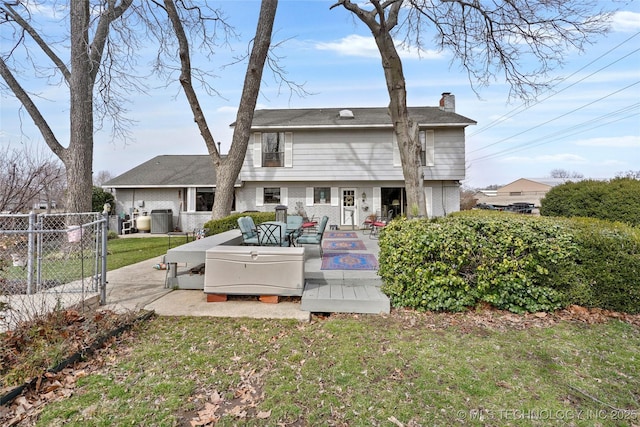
[(49, 262)]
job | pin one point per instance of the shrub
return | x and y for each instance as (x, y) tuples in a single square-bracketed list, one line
[(512, 262), (608, 266), (216, 226), (99, 197), (615, 200)]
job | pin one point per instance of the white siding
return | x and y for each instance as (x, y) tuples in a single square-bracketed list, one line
[(363, 155)]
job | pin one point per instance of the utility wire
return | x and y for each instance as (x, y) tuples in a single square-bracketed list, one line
[(581, 126), (559, 117), (507, 151), (525, 107)]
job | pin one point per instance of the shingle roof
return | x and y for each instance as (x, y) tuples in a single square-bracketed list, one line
[(362, 117), (168, 171)]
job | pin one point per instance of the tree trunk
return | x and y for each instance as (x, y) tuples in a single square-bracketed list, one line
[(228, 168), (85, 63), (405, 129), (78, 157)]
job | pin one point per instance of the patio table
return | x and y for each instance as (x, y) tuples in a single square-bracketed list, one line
[(289, 231)]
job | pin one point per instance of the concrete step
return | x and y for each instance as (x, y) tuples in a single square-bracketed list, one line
[(344, 296)]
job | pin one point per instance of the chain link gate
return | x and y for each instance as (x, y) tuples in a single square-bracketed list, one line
[(49, 262)]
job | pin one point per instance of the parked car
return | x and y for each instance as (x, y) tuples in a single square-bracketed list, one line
[(520, 207), (490, 207)]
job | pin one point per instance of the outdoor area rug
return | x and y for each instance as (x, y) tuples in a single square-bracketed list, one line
[(348, 261), (343, 245), (340, 235)]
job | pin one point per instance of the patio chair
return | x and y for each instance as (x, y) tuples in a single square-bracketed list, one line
[(377, 225), (273, 234), (294, 222), (367, 224), (315, 238), (248, 229)]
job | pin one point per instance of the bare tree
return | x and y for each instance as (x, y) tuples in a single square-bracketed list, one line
[(488, 38), (28, 177), (79, 72), (631, 174), (227, 168), (563, 173), (101, 177)]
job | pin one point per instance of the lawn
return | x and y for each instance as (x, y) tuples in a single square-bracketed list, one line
[(125, 251), (478, 368), (578, 367)]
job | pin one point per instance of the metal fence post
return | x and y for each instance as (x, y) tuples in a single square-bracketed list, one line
[(103, 276), (30, 252)]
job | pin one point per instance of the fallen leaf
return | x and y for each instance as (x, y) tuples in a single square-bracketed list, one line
[(263, 414)]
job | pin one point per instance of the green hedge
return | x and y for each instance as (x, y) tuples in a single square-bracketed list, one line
[(615, 200), (608, 265), (517, 263), (216, 226)]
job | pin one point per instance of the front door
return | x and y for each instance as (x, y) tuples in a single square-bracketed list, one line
[(349, 214)]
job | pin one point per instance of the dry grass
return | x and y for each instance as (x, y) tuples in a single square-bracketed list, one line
[(478, 368)]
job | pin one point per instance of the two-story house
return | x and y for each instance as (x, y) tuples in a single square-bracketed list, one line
[(340, 162)]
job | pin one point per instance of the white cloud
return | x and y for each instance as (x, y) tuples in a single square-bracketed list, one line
[(365, 47), (625, 22), (547, 158), (629, 141)]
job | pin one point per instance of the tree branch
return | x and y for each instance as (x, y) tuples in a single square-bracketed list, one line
[(185, 80), (10, 12), (102, 32), (28, 103)]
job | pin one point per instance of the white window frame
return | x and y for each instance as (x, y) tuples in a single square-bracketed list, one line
[(287, 151)]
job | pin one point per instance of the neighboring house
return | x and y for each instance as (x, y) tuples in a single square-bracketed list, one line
[(523, 190), (343, 163)]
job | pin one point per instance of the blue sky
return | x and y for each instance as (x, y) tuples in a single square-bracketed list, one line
[(589, 123)]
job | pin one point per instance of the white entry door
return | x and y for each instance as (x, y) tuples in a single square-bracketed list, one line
[(348, 207)]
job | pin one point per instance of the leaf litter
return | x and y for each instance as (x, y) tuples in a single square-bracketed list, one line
[(242, 400)]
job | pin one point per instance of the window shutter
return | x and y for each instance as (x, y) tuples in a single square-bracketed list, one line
[(257, 149), (191, 199), (396, 151), (335, 199), (260, 196), (428, 199), (430, 148), (288, 149), (284, 196), (309, 198), (377, 197)]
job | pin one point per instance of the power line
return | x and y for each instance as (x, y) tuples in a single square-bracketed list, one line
[(525, 107), (558, 117), (581, 126)]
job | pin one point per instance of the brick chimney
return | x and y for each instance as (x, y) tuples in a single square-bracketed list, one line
[(448, 102)]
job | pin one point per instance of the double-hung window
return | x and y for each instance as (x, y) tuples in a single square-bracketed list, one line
[(273, 149)]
